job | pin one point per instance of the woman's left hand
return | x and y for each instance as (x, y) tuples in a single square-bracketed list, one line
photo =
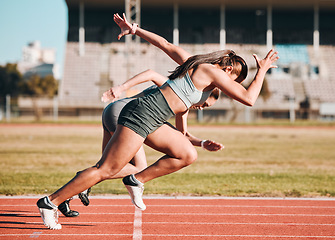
[(124, 25)]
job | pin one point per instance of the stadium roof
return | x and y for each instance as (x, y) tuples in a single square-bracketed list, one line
[(200, 3)]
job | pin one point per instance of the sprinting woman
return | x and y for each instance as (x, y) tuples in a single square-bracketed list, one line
[(142, 120), (109, 122)]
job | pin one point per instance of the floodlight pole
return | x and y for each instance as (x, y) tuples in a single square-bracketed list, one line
[(316, 33), (269, 34), (81, 30), (8, 108), (133, 13), (176, 24), (55, 108), (223, 26), (291, 100)]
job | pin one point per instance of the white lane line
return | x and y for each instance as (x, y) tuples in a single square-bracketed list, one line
[(190, 205), (241, 223), (157, 196), (237, 206), (137, 232), (138, 224), (180, 235), (204, 214), (66, 234), (35, 235), (223, 214)]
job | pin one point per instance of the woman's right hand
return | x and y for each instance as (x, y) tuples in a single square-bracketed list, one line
[(212, 146), (124, 25), (112, 94)]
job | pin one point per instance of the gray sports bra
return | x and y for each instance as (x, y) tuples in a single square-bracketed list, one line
[(187, 92)]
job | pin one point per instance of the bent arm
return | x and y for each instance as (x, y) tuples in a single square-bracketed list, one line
[(209, 145), (237, 91), (181, 122), (181, 125), (149, 75)]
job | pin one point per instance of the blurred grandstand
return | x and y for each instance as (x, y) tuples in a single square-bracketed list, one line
[(303, 32)]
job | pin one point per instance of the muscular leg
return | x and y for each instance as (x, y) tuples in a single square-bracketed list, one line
[(118, 152), (179, 153), (138, 163)]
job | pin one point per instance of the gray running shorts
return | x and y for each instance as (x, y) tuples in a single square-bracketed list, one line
[(145, 114), (111, 114)]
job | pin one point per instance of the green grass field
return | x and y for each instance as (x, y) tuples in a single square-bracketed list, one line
[(263, 161)]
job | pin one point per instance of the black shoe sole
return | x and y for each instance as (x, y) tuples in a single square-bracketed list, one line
[(71, 214)]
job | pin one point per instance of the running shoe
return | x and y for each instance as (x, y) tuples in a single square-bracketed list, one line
[(64, 208), (135, 190), (84, 197), (49, 214)]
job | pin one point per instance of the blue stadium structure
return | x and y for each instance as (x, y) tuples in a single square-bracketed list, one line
[(303, 32)]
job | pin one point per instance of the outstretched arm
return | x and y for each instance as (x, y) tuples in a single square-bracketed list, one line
[(237, 91), (149, 75), (177, 54)]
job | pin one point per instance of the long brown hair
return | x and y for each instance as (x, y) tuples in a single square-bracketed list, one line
[(224, 58)]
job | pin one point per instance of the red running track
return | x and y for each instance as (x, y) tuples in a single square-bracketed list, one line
[(175, 218)]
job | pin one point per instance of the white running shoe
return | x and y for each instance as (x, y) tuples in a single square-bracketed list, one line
[(135, 193), (50, 218), (48, 213)]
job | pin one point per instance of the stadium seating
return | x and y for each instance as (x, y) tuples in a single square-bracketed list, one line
[(320, 90), (292, 53), (105, 65)]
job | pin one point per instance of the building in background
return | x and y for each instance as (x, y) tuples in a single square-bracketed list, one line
[(38, 60), (302, 31)]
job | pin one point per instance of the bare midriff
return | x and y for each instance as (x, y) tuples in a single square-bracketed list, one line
[(175, 103)]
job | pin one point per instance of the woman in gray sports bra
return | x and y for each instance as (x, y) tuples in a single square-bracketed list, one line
[(142, 120), (110, 117)]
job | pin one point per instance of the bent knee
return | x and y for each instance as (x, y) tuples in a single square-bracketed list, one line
[(106, 173), (190, 156)]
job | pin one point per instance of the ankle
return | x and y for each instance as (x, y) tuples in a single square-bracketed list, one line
[(132, 181), (46, 203), (139, 179)]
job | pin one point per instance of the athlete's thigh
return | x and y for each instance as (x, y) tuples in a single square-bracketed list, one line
[(121, 148), (169, 140)]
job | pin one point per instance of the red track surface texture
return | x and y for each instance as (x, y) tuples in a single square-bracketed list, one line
[(174, 219)]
